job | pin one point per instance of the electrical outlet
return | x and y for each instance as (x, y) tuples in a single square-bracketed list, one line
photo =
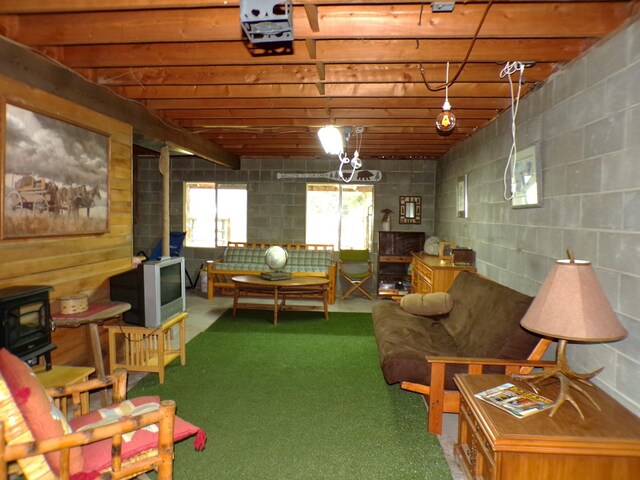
[(437, 7)]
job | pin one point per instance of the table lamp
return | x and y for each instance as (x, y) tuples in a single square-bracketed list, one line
[(571, 305)]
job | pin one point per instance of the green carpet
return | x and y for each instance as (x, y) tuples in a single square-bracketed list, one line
[(303, 400)]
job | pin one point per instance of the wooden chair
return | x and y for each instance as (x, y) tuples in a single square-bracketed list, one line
[(21, 453), (352, 266), (448, 401)]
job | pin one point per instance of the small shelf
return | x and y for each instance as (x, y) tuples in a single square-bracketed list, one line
[(147, 349), (394, 258)]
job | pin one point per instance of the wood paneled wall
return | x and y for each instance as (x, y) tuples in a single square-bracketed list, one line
[(80, 263)]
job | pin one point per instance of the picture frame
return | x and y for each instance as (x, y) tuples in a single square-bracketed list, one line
[(526, 178), (56, 183), (411, 209), (445, 251), (462, 197)]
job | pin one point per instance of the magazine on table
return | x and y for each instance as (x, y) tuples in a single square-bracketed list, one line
[(515, 400)]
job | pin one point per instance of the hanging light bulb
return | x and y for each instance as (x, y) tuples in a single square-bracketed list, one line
[(331, 139), (446, 121)]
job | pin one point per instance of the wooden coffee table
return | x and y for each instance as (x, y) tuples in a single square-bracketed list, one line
[(301, 287)]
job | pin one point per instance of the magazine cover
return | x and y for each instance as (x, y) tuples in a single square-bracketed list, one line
[(515, 400)]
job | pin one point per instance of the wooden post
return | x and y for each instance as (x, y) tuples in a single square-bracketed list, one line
[(165, 166)]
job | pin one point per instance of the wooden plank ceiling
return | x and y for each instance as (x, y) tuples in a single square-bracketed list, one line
[(351, 63)]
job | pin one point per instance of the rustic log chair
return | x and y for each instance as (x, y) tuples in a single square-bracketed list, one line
[(21, 453), (448, 401)]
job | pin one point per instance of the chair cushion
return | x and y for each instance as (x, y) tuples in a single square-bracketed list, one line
[(17, 431), (427, 304), (40, 414), (98, 454)]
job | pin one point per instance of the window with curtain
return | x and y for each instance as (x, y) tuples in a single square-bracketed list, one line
[(214, 214), (340, 215)]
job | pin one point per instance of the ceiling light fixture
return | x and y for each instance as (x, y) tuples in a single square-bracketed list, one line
[(446, 121), (331, 139)]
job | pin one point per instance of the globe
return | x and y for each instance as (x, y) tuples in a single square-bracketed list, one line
[(276, 257)]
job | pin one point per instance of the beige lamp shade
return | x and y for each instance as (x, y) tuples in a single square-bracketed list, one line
[(571, 305)]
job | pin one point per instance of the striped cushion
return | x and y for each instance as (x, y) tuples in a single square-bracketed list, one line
[(244, 255), (309, 258)]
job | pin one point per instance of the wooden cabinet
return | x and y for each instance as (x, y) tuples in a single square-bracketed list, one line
[(430, 275), (394, 258), (494, 445)]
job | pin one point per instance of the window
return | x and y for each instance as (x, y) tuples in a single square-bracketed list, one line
[(340, 215), (214, 214)]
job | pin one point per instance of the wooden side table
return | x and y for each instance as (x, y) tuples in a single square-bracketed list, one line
[(494, 445), (90, 319), (63, 376), (147, 349)]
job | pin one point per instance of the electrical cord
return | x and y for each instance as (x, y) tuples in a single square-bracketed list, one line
[(509, 69), (464, 61)]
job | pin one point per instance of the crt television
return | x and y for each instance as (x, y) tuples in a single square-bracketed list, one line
[(155, 290)]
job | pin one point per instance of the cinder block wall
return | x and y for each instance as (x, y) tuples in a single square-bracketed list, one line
[(276, 205), (586, 119)]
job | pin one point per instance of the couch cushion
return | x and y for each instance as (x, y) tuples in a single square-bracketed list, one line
[(309, 259), (404, 340), (485, 315), (245, 255), (427, 304)]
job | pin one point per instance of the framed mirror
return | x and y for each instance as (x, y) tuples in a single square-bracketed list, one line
[(526, 178), (411, 209), (461, 197)]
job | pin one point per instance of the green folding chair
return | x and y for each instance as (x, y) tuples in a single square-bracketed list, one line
[(355, 266)]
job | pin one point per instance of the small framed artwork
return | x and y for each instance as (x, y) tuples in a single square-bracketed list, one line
[(526, 179), (461, 197), (411, 209), (445, 252)]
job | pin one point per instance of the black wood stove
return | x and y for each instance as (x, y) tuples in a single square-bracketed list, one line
[(25, 322)]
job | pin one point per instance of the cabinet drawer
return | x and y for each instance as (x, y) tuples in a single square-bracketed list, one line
[(474, 448), (395, 258)]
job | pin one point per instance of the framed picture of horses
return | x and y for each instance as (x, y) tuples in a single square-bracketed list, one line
[(56, 177)]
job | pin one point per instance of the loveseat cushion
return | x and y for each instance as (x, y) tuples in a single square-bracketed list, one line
[(404, 340), (485, 316), (309, 259)]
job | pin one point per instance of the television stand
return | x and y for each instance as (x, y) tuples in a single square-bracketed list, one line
[(147, 349)]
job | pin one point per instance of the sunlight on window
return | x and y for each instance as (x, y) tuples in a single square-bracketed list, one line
[(340, 215), (214, 214)]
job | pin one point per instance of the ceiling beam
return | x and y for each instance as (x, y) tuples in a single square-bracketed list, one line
[(328, 51), (525, 20), (27, 66), (47, 6), (332, 73)]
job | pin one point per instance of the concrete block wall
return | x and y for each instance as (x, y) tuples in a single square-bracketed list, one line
[(277, 206), (586, 119)]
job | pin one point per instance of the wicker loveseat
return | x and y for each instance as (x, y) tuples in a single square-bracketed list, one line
[(308, 260)]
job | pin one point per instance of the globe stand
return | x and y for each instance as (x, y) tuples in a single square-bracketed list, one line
[(275, 275), (276, 258)]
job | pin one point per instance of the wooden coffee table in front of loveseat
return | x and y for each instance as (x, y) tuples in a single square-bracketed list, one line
[(303, 287)]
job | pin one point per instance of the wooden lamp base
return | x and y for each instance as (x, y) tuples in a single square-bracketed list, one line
[(567, 377)]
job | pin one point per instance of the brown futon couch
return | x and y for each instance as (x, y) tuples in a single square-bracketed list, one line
[(482, 328)]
